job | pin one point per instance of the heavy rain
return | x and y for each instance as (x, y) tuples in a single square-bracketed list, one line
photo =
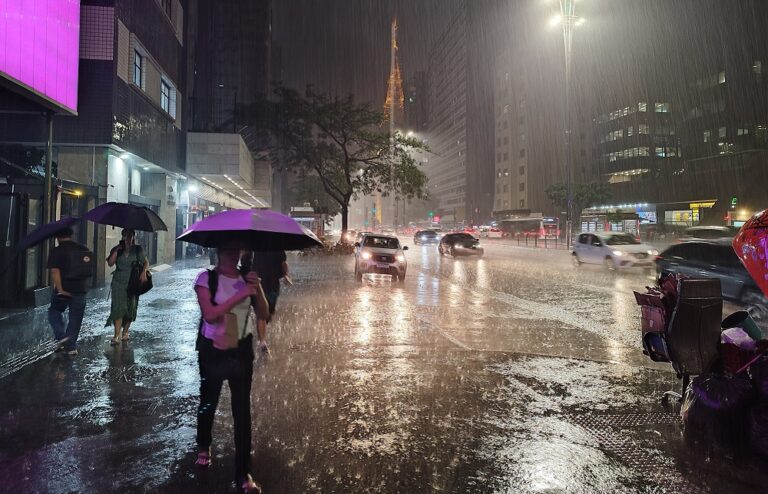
[(464, 246)]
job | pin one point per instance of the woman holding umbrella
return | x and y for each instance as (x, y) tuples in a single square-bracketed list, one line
[(124, 306)]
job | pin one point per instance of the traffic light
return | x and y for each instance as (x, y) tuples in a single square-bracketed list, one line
[(734, 202), (431, 214)]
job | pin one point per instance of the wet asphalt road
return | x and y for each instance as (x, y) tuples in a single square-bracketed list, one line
[(515, 372)]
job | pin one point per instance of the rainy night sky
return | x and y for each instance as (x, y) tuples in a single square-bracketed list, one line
[(342, 46)]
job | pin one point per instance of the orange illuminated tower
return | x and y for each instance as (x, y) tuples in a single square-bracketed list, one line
[(394, 115), (394, 104)]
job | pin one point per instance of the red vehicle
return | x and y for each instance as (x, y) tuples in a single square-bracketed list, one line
[(541, 227)]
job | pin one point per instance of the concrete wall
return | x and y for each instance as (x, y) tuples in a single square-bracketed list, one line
[(218, 154), (163, 188)]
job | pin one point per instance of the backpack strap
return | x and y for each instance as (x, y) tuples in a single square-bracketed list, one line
[(213, 284)]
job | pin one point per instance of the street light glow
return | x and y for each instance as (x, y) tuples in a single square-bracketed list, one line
[(580, 21), (555, 20)]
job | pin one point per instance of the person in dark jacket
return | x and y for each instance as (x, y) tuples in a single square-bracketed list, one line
[(271, 267), (70, 265)]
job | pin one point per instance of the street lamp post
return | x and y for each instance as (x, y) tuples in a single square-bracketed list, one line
[(569, 20)]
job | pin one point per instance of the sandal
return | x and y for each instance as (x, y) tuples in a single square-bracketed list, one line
[(125, 337), (204, 458), (250, 486), (113, 341)]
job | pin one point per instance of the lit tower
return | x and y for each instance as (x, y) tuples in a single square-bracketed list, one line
[(393, 107)]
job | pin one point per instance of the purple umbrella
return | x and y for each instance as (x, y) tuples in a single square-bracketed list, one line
[(126, 216), (260, 230), (44, 232)]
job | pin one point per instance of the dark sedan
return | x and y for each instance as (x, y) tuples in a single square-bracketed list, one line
[(425, 237), (457, 244), (703, 259)]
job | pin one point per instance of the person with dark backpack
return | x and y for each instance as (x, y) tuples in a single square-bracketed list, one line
[(225, 352), (71, 267)]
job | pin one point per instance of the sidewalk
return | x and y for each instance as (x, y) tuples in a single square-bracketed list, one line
[(26, 336)]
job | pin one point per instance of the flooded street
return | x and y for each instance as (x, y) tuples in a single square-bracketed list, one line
[(514, 372)]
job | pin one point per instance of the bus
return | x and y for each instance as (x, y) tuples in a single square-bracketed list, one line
[(541, 227)]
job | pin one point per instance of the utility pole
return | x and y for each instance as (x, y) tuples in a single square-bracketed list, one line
[(48, 192)]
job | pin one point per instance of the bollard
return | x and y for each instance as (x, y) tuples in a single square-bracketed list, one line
[(536, 241), (545, 241)]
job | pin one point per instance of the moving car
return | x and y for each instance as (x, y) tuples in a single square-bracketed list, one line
[(382, 254), (614, 250), (424, 237), (490, 232), (720, 234), (457, 244), (713, 260)]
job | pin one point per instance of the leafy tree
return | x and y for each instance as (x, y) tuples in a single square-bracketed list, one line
[(309, 189), (584, 196), (343, 144)]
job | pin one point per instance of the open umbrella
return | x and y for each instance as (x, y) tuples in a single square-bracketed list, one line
[(126, 216), (751, 245), (44, 232), (260, 230)]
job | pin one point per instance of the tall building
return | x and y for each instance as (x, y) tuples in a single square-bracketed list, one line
[(446, 168), (685, 143), (417, 102), (231, 76)]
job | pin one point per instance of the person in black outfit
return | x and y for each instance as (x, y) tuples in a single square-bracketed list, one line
[(70, 264), (271, 267)]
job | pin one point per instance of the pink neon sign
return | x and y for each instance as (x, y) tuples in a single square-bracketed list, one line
[(39, 47)]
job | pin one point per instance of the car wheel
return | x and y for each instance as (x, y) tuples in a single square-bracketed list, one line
[(575, 259), (609, 263), (452, 251), (440, 250)]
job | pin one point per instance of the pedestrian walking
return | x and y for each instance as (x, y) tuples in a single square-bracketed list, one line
[(225, 352), (271, 267), (124, 257), (71, 266)]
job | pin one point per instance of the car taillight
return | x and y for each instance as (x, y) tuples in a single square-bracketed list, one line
[(659, 258)]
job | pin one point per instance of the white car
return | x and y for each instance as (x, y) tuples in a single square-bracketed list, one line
[(614, 250), (382, 254)]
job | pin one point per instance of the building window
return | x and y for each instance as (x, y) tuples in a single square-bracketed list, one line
[(506, 140), (642, 107), (742, 131), (138, 69), (661, 107), (506, 188), (522, 203), (721, 77), (707, 135), (757, 68), (522, 170), (522, 186), (630, 131), (642, 129), (506, 172), (165, 96), (522, 153), (722, 132), (506, 156)]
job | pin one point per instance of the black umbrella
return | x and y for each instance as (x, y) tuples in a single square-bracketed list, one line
[(126, 216), (44, 232)]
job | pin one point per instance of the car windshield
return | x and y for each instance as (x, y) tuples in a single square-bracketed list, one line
[(381, 242), (462, 236), (622, 239), (428, 234)]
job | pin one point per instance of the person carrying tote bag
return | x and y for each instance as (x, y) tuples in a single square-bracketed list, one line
[(225, 353)]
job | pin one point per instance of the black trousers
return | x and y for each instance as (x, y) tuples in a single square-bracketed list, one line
[(236, 367)]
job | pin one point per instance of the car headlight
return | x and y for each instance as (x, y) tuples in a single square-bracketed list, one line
[(618, 253), (400, 258), (365, 255), (653, 252)]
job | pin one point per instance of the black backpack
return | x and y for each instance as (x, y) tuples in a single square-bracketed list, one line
[(79, 263), (213, 284)]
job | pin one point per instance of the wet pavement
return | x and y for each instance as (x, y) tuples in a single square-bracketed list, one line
[(515, 372)]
